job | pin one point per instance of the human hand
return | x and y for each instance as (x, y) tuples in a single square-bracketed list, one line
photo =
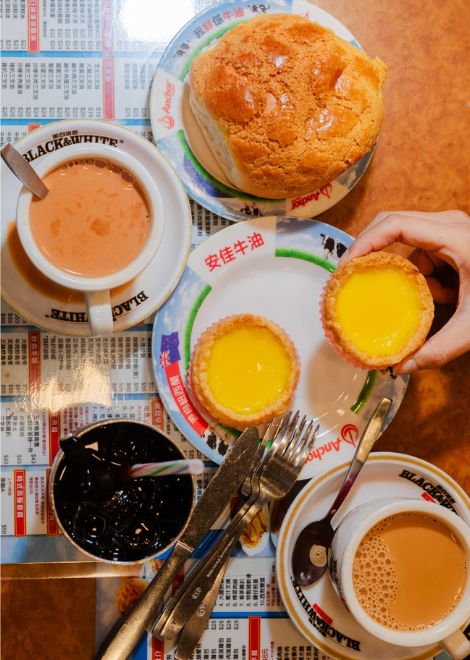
[(440, 238)]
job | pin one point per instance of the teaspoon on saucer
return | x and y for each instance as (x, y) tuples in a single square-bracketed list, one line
[(23, 170), (311, 549)]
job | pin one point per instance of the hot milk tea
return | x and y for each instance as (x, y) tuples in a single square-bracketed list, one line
[(95, 219), (409, 571)]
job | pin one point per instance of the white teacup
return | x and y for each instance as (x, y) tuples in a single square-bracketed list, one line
[(96, 289), (348, 536)]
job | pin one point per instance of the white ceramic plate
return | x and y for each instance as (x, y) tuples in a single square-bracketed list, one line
[(275, 267), (178, 136), (316, 610), (61, 310)]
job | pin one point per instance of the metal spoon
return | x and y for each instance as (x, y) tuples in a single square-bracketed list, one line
[(23, 170), (310, 556)]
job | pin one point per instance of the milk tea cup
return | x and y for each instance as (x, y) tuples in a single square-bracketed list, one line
[(114, 251), (369, 547)]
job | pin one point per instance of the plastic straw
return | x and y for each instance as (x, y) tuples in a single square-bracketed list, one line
[(192, 466)]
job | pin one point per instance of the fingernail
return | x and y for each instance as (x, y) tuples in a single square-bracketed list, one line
[(407, 367)]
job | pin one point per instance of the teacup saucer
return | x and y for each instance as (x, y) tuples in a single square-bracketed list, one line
[(50, 306), (317, 611)]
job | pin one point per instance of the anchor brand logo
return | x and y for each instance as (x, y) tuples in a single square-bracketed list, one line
[(312, 197), (167, 120), (348, 434)]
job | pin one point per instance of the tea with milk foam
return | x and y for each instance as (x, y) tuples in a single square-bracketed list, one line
[(409, 571)]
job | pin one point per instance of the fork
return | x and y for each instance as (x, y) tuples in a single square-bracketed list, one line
[(272, 480), (250, 485), (194, 628)]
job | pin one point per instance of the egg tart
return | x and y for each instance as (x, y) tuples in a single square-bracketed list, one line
[(377, 310), (244, 370)]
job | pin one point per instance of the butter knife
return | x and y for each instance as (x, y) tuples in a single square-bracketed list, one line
[(222, 487)]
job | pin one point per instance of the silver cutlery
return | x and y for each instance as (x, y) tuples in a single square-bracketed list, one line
[(23, 171), (194, 628), (222, 487), (277, 472), (311, 549)]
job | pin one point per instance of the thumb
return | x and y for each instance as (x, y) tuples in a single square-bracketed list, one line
[(446, 345)]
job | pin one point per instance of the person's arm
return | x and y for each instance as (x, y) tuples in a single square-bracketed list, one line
[(438, 237)]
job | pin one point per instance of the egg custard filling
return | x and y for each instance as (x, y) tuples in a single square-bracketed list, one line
[(244, 370), (377, 309)]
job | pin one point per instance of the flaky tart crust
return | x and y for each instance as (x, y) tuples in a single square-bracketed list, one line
[(285, 104), (198, 373), (333, 331)]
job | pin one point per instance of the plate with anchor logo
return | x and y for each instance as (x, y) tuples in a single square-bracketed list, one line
[(177, 133), (275, 267)]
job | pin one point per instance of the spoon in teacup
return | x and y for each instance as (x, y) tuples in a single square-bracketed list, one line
[(311, 549), (23, 170)]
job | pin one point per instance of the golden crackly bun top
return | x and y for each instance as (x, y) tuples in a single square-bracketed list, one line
[(295, 104)]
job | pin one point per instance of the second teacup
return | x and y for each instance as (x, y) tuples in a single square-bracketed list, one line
[(99, 226), (402, 569)]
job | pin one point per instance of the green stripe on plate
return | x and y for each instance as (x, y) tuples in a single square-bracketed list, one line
[(365, 392), (305, 256), (189, 325), (231, 192)]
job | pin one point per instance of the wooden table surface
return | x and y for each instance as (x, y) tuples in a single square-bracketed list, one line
[(422, 162)]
